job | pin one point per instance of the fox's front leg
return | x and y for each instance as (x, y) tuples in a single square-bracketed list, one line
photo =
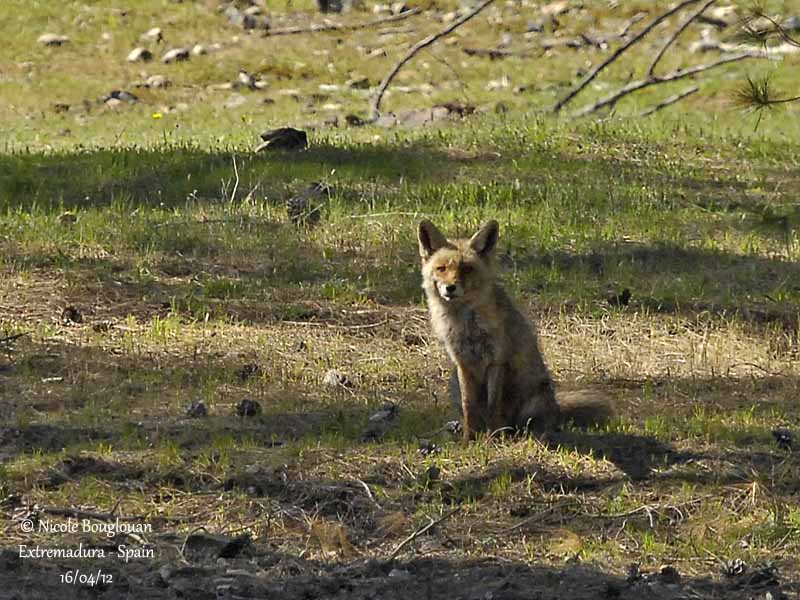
[(470, 401), (494, 397)]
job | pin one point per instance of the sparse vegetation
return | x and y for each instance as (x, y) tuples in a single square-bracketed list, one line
[(168, 238)]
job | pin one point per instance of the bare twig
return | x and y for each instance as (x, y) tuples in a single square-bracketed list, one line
[(421, 531), (618, 52), (675, 34), (635, 86), (630, 23), (16, 336), (669, 101), (495, 53), (369, 493), (77, 513), (343, 27), (422, 44)]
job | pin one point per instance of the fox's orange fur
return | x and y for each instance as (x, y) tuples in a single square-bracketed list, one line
[(500, 378)]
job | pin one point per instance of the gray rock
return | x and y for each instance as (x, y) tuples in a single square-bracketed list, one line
[(235, 101), (53, 39), (152, 35), (337, 379), (140, 55), (358, 83), (792, 24), (196, 409), (122, 96), (306, 207), (175, 55), (248, 408), (283, 138), (199, 50)]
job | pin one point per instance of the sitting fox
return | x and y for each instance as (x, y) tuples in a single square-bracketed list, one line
[(500, 379)]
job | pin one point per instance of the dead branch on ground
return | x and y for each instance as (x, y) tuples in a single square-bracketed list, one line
[(422, 44), (619, 52), (641, 84)]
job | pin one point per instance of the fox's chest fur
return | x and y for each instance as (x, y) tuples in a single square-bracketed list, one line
[(469, 335)]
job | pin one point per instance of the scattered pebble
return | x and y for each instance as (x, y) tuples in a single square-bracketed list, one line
[(235, 101), (70, 315), (140, 55), (53, 39), (283, 138), (152, 35), (196, 409), (175, 55), (386, 413), (334, 378), (199, 50), (248, 408), (783, 437)]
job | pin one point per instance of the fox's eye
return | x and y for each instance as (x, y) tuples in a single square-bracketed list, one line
[(467, 269), (441, 269)]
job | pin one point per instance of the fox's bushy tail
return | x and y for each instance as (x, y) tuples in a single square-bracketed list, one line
[(585, 408)]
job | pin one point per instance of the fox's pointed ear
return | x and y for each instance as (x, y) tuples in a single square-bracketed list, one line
[(430, 239), (485, 241)]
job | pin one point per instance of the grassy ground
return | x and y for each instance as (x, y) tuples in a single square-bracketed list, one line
[(148, 261)]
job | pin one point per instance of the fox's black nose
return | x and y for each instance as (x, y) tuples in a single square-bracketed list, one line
[(450, 289)]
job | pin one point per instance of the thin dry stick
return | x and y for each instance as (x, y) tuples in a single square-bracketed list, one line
[(16, 336), (618, 52), (422, 44), (77, 513), (671, 39), (631, 22), (635, 86), (341, 27), (420, 531), (669, 101)]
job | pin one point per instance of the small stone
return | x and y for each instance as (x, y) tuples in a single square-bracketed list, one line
[(386, 413), (157, 81), (453, 427), (235, 101), (103, 326), (358, 83), (283, 138), (122, 96), (70, 315), (196, 409), (248, 408), (399, 573), (175, 55), (67, 218), (397, 8), (140, 55), (784, 438), (199, 50), (534, 27), (334, 378), (428, 448), (53, 39), (152, 35), (247, 371), (734, 568), (354, 121), (305, 208), (669, 574), (243, 78)]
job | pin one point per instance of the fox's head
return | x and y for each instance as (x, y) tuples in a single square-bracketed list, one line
[(457, 270)]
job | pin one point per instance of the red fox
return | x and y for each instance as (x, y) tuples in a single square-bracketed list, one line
[(500, 379)]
